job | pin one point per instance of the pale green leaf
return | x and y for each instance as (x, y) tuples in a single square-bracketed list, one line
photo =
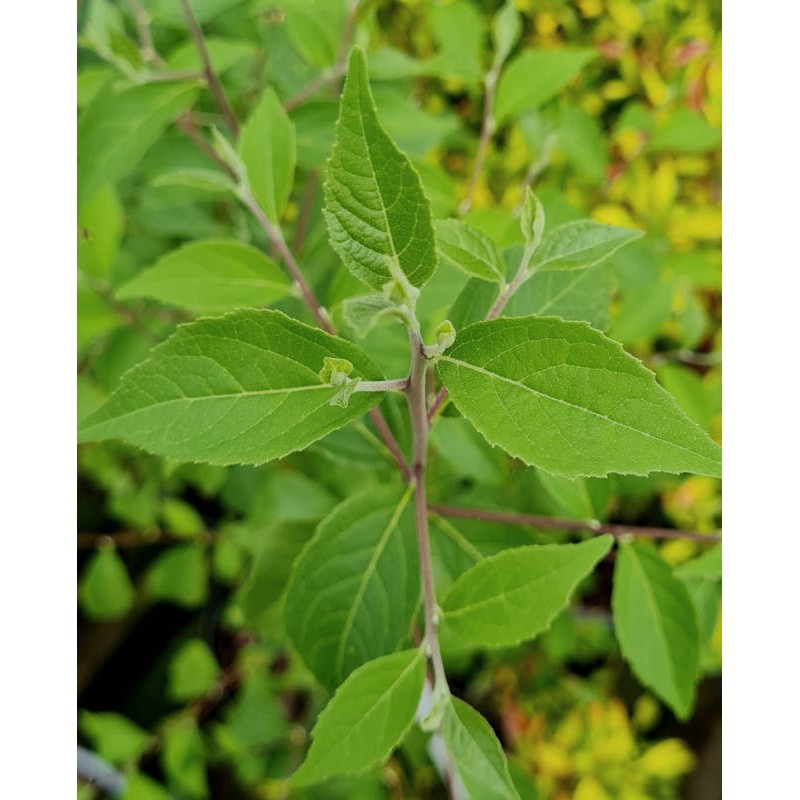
[(142, 787), (206, 180), (366, 718), (119, 127), (378, 216), (355, 587), (193, 671), (581, 244), (536, 76), (181, 519), (239, 389), (470, 249), (267, 147), (656, 626), (516, 594), (562, 396), (708, 565), (532, 219), (210, 276), (105, 589), (476, 754), (365, 312), (506, 30), (114, 737)]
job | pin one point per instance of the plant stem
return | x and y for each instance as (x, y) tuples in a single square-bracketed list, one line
[(214, 83), (551, 523), (487, 129), (396, 385), (420, 427)]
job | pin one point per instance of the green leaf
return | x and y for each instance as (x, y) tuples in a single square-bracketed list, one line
[(106, 591), (206, 180), (118, 128), (581, 244), (101, 225), (470, 249), (315, 28), (685, 132), (378, 216), (532, 219), (477, 756), (183, 758), (355, 587), (193, 671), (239, 389), (708, 565), (366, 718), (656, 626), (536, 76), (114, 737), (142, 787), (224, 54), (562, 396), (506, 30), (516, 594), (180, 576), (268, 149), (584, 144), (211, 276), (364, 313)]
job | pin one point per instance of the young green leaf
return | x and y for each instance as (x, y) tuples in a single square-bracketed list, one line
[(477, 756), (532, 220), (536, 76), (179, 575), (506, 30), (363, 313), (562, 396), (106, 591), (656, 626), (119, 127), (183, 759), (581, 244), (355, 587), (268, 149), (193, 671), (210, 276), (379, 218), (516, 594), (238, 389), (366, 718), (114, 737), (205, 180), (470, 249)]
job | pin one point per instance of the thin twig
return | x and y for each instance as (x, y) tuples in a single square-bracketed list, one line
[(592, 526), (214, 83), (487, 129), (142, 19), (323, 79), (278, 242)]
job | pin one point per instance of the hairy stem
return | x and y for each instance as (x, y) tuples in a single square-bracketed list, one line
[(214, 83), (396, 385), (572, 525), (420, 427)]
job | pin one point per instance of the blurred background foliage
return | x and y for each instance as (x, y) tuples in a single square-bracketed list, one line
[(186, 683)]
